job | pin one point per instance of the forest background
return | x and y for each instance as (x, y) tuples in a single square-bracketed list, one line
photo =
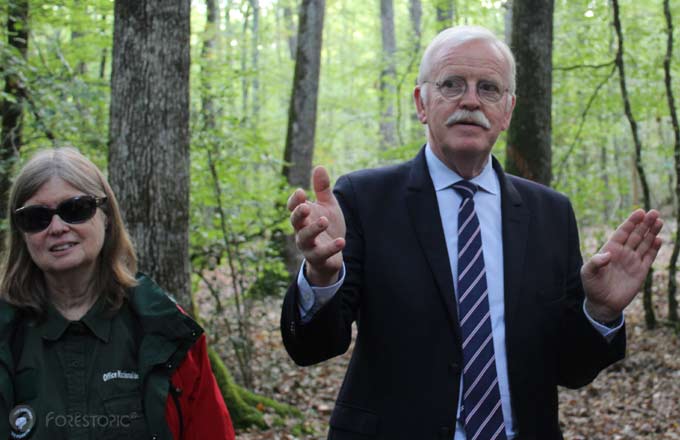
[(612, 145)]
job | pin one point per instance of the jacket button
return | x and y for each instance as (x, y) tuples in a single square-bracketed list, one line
[(169, 365), (154, 437)]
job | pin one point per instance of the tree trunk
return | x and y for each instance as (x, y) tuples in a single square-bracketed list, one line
[(445, 13), (208, 64), (650, 319), (297, 168), (673, 265), (255, 60), (290, 30), (388, 76), (529, 138), (12, 112), (507, 18), (149, 135)]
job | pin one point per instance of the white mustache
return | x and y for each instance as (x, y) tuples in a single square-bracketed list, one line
[(475, 117)]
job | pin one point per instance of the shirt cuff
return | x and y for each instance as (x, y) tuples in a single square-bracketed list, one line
[(607, 332), (312, 298)]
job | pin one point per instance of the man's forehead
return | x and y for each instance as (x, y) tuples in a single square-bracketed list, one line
[(477, 54)]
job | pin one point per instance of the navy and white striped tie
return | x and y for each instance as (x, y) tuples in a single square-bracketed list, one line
[(482, 413)]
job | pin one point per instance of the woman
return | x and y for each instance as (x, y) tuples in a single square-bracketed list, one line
[(88, 350)]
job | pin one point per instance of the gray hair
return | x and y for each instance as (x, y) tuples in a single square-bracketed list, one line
[(458, 35)]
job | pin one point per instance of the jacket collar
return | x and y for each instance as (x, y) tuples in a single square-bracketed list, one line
[(424, 212)]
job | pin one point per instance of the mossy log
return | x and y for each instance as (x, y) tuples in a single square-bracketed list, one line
[(245, 407)]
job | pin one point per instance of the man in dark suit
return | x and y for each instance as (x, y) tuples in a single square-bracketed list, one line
[(466, 284)]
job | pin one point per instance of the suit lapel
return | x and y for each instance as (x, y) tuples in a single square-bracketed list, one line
[(515, 235), (423, 210)]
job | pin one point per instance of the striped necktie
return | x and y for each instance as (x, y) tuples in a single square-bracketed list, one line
[(481, 411)]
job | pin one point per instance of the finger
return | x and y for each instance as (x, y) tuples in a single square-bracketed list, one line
[(299, 218), (641, 230), (306, 236), (650, 255), (321, 182), (318, 256), (625, 229), (649, 238), (299, 196)]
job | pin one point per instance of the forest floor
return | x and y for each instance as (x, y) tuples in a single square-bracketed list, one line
[(637, 398)]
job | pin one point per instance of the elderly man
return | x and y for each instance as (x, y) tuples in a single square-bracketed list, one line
[(471, 299)]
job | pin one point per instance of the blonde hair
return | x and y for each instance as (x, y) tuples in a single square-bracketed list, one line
[(23, 283)]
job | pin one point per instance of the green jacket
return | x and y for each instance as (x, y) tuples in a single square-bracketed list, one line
[(167, 335)]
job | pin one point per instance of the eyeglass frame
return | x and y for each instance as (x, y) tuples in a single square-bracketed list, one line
[(98, 203), (439, 84)]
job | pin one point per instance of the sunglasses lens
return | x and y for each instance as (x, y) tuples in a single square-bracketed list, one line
[(33, 218), (78, 209), (74, 210)]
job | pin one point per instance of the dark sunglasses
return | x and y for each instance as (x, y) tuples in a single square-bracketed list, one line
[(78, 209)]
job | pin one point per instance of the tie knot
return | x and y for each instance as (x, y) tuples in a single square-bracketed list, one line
[(465, 188)]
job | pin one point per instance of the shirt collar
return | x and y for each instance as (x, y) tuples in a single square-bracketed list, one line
[(97, 319), (443, 177)]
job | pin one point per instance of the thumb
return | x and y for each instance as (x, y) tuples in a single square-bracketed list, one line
[(597, 262), (321, 182)]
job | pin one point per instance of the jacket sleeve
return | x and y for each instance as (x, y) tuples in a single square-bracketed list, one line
[(204, 413), (584, 352), (329, 332)]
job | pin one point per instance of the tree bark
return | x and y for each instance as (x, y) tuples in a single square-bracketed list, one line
[(299, 151), (388, 76), (529, 138), (673, 265), (650, 319), (12, 111), (149, 135)]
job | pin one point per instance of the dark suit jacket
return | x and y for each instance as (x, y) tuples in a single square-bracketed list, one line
[(403, 379)]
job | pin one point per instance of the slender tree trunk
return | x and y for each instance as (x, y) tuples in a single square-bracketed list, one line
[(255, 60), (208, 64), (388, 76), (244, 67), (650, 319), (416, 16), (415, 11), (673, 265), (299, 150), (529, 138), (289, 22), (507, 18), (12, 112), (446, 10), (149, 135)]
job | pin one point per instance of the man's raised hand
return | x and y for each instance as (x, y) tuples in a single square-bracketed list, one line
[(613, 276), (319, 229)]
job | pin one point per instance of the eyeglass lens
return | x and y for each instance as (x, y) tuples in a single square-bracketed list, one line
[(75, 210), (455, 86)]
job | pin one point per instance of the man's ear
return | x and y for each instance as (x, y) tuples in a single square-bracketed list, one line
[(419, 100), (510, 106)]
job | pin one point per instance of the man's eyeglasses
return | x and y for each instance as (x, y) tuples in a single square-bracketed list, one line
[(78, 209), (454, 87)]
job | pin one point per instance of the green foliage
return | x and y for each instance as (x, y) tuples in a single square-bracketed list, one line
[(239, 109)]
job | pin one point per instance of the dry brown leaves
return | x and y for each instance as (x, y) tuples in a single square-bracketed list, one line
[(637, 398)]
